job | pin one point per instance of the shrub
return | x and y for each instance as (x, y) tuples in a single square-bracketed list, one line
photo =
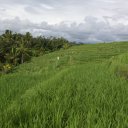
[(6, 68)]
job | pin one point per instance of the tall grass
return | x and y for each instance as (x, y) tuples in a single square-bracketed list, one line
[(80, 90)]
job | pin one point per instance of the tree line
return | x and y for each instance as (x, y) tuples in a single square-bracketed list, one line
[(17, 48)]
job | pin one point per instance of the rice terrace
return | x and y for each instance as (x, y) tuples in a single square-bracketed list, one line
[(86, 87), (64, 64)]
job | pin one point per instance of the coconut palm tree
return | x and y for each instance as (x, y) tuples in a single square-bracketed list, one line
[(23, 52)]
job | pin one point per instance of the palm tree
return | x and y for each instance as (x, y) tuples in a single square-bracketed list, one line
[(28, 39), (12, 57), (7, 36), (23, 52)]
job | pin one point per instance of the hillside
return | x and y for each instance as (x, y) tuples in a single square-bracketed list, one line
[(84, 86)]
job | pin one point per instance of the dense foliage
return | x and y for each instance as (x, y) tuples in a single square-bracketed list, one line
[(16, 48)]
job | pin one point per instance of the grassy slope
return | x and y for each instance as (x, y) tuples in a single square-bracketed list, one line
[(81, 90)]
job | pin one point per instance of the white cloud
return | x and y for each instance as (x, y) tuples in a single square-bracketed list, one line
[(76, 20), (89, 31)]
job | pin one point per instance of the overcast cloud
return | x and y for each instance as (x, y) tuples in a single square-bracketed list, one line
[(86, 21)]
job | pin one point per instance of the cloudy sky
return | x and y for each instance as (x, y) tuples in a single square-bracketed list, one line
[(86, 21)]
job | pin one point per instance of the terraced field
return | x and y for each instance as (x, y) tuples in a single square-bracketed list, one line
[(86, 87)]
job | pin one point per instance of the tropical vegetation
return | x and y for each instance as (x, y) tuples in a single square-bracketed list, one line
[(84, 86), (16, 48)]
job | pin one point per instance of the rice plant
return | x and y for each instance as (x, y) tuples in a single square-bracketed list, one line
[(79, 90)]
